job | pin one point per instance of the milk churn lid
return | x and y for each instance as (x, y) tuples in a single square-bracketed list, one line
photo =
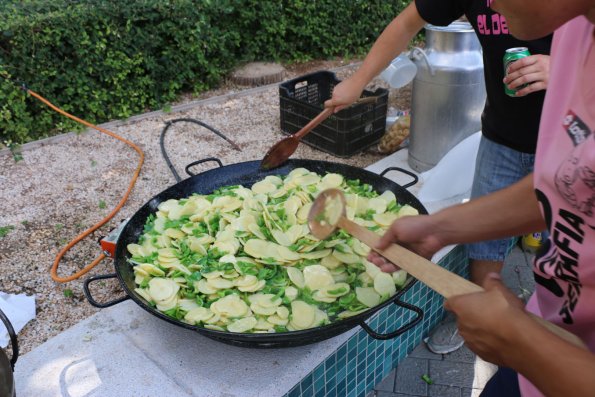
[(456, 26)]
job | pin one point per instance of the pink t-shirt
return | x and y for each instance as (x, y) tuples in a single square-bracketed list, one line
[(565, 186)]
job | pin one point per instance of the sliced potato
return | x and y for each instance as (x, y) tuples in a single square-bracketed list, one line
[(384, 284), (204, 287), (349, 313), (247, 280), (316, 254), (213, 274), (256, 248), (214, 327), (360, 248), (302, 314), (253, 288), (230, 306), (331, 180), (227, 203), (371, 269), (347, 258), (187, 304), (367, 295), (151, 269), (365, 279), (263, 187), (407, 210), (281, 237), (161, 289), (292, 205), (167, 304), (144, 294), (283, 312), (399, 277), (242, 325), (167, 205), (254, 229), (321, 297), (377, 204), (135, 250), (291, 293), (388, 196), (330, 262), (197, 315), (264, 311), (175, 233), (317, 276), (302, 214), (296, 277), (335, 290), (263, 324), (285, 254), (308, 179), (274, 319), (320, 318), (220, 283), (139, 278), (385, 219)]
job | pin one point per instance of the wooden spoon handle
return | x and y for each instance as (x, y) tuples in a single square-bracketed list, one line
[(436, 277), (313, 123), (326, 113)]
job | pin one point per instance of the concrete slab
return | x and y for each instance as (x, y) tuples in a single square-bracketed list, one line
[(409, 374), (125, 351)]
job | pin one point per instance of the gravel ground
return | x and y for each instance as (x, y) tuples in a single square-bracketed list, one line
[(66, 184)]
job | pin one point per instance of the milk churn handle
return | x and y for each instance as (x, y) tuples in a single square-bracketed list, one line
[(418, 51)]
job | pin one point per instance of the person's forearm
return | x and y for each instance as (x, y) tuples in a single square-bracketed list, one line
[(554, 366), (509, 212), (393, 40)]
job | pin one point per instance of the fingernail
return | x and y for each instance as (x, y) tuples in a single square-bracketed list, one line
[(494, 276)]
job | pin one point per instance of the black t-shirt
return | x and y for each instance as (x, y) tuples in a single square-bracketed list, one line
[(510, 121)]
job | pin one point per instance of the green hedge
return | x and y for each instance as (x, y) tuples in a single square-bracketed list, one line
[(110, 59)]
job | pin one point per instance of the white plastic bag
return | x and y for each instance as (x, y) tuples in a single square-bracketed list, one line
[(453, 175), (19, 309)]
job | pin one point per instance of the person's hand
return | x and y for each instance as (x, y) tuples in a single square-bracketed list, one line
[(344, 94), (533, 70), (484, 319), (412, 232)]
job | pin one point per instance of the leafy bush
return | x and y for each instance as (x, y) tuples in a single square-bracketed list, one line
[(109, 59)]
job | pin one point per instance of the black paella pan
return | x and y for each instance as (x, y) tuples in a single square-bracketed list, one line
[(246, 174)]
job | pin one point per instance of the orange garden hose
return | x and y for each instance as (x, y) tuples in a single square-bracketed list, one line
[(63, 251)]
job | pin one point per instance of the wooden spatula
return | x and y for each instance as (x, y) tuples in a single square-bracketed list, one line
[(328, 213), (280, 151)]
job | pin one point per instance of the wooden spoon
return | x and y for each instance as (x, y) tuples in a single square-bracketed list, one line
[(280, 151), (328, 213)]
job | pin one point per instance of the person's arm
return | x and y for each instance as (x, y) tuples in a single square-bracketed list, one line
[(533, 70), (389, 45), (495, 325), (509, 212)]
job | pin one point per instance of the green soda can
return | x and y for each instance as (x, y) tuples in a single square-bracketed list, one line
[(510, 56)]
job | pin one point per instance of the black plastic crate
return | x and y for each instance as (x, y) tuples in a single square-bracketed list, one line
[(343, 134)]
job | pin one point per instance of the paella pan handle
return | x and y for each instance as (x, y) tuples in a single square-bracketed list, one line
[(92, 300), (401, 330), (404, 171), (13, 339), (192, 164)]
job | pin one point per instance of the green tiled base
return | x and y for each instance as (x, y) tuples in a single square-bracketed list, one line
[(362, 362)]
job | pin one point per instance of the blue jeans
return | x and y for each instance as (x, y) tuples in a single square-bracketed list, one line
[(504, 383), (497, 167)]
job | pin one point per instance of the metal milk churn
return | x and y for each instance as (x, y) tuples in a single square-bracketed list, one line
[(448, 92)]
